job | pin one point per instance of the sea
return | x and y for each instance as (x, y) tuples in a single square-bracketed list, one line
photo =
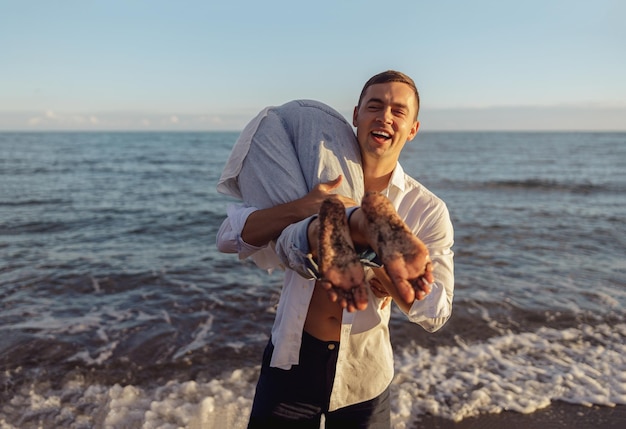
[(117, 310)]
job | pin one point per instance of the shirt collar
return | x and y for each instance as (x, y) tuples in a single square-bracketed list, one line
[(397, 178)]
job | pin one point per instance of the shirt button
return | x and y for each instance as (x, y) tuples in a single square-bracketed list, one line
[(331, 347)]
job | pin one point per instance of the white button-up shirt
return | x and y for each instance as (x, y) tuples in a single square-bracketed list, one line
[(365, 362)]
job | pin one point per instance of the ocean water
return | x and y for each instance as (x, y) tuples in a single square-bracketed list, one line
[(116, 310)]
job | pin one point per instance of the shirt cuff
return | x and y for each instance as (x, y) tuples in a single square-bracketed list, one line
[(237, 215), (433, 306)]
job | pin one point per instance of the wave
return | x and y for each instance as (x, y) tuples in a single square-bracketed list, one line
[(548, 185), (522, 372), (536, 184), (35, 202), (39, 227)]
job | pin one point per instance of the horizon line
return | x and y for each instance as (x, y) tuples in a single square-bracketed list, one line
[(505, 119), (439, 130)]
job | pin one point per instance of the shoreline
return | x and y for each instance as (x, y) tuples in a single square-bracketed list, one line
[(559, 415)]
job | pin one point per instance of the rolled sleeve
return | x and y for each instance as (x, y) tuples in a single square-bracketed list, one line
[(435, 309), (229, 239), (438, 235)]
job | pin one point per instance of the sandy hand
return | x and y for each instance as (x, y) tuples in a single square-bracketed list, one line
[(403, 255), (341, 271)]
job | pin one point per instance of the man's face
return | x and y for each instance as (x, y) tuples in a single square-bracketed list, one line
[(385, 120)]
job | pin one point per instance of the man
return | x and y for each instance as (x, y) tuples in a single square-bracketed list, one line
[(323, 357)]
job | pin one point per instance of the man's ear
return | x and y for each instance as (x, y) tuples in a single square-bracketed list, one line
[(414, 130), (354, 115)]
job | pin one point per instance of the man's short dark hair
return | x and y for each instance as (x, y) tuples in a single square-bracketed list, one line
[(391, 76)]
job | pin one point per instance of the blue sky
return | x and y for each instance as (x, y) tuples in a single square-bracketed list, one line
[(209, 65)]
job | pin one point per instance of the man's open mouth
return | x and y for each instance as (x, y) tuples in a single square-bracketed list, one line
[(381, 135)]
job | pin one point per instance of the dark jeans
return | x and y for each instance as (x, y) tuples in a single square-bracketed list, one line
[(298, 397)]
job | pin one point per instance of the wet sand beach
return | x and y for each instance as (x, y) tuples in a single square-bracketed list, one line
[(559, 415)]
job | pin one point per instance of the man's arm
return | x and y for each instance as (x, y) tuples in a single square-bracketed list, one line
[(437, 234), (263, 226), (247, 229)]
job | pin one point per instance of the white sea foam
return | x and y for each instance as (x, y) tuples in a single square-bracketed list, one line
[(199, 336), (522, 373), (519, 372)]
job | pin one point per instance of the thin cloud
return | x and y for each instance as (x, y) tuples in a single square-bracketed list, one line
[(600, 117)]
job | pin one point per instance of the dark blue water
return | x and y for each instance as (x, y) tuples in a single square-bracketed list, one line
[(116, 310)]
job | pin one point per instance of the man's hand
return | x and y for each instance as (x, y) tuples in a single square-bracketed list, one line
[(382, 287), (312, 201), (379, 291)]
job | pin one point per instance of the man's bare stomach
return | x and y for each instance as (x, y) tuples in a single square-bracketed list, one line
[(323, 320)]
